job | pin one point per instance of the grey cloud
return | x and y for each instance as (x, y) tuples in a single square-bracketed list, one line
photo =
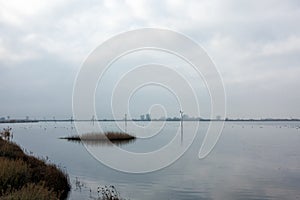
[(254, 45)]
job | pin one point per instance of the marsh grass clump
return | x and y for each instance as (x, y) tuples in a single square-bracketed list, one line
[(109, 135), (6, 133), (21, 173), (112, 136)]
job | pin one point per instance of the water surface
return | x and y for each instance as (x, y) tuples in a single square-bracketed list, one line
[(251, 161)]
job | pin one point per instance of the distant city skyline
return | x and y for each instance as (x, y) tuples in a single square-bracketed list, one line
[(144, 117)]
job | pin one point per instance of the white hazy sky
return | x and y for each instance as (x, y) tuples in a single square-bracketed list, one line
[(255, 45)]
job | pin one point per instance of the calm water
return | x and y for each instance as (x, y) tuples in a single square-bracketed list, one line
[(250, 161)]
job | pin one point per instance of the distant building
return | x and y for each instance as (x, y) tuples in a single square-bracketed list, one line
[(142, 117), (2, 119), (148, 118), (185, 117), (162, 118)]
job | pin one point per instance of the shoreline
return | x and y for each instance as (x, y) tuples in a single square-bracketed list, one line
[(152, 120)]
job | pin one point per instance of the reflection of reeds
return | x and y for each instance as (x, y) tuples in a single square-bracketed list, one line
[(107, 138), (104, 142)]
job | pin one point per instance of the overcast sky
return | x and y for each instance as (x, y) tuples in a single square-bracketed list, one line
[(254, 44)]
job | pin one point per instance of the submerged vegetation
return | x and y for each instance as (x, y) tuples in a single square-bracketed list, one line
[(100, 138), (26, 177)]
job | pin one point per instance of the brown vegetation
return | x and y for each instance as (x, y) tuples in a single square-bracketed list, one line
[(6, 133), (26, 177)]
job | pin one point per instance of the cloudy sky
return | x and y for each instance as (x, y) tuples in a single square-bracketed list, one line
[(254, 44)]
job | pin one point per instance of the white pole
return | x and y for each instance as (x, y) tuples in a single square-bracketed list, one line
[(181, 124), (125, 123)]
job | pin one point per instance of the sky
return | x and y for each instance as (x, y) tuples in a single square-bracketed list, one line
[(254, 44)]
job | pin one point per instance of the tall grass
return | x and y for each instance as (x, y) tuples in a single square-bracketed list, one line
[(32, 191), (20, 172), (13, 174)]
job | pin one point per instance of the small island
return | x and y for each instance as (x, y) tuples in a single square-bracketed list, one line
[(111, 136)]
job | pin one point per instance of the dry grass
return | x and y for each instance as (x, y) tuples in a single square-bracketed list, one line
[(13, 173), (32, 192), (18, 171)]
